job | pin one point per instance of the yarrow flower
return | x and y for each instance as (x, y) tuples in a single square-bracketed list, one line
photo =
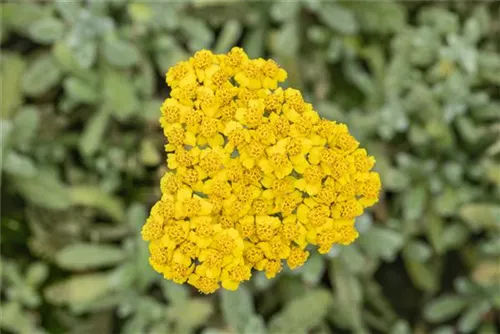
[(255, 175)]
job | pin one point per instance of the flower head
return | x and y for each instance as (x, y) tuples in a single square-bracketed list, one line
[(255, 175)]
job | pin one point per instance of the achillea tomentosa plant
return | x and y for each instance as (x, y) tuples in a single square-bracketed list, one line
[(255, 175)]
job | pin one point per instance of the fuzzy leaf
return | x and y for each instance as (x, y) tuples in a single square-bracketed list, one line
[(88, 256), (94, 197), (473, 316), (12, 69), (381, 242), (44, 189), (119, 94), (481, 215), (46, 30), (302, 314), (120, 53), (41, 76), (444, 308), (94, 132), (338, 18), (237, 308), (19, 165), (77, 289)]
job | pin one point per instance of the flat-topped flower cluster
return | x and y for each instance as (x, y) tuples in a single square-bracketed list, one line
[(255, 175)]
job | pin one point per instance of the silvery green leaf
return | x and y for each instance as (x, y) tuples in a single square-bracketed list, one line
[(91, 196), (255, 325), (472, 317), (418, 250), (425, 44), (119, 94), (5, 136), (254, 41), (15, 319), (312, 271), (191, 314), (36, 273), (489, 66), (472, 30), (392, 119), (491, 247), (282, 11), (359, 77), (46, 30), (88, 256), (478, 24), (26, 124), (85, 53), (69, 10), (66, 58), (12, 69), (19, 165), (318, 34), (381, 242), (19, 15), (167, 57), (135, 324), (231, 32), (140, 11), (237, 308), (348, 293), (199, 33), (175, 293), (440, 132), (80, 90), (395, 179), (444, 308), (285, 42), (94, 131), (44, 189), (434, 230), (481, 215), (458, 49), (444, 330), (414, 202), (120, 53), (145, 83), (77, 289), (442, 20), (423, 275), (453, 172), (446, 203), (302, 314), (379, 17), (42, 75), (149, 153), (338, 18), (400, 327), (353, 259), (261, 281), (334, 50)]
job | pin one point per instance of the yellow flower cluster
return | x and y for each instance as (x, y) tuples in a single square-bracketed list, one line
[(255, 175)]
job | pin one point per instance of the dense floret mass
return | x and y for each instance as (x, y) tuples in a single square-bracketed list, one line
[(255, 175)]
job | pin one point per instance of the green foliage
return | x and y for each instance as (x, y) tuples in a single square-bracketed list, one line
[(82, 155)]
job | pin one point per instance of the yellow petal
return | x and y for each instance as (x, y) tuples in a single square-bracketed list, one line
[(230, 285), (302, 213)]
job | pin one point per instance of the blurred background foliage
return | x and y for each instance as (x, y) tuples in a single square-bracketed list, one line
[(82, 154)]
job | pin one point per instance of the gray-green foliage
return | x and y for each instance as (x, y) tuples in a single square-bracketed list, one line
[(82, 154)]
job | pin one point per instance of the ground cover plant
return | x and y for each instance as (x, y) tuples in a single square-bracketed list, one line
[(83, 153)]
